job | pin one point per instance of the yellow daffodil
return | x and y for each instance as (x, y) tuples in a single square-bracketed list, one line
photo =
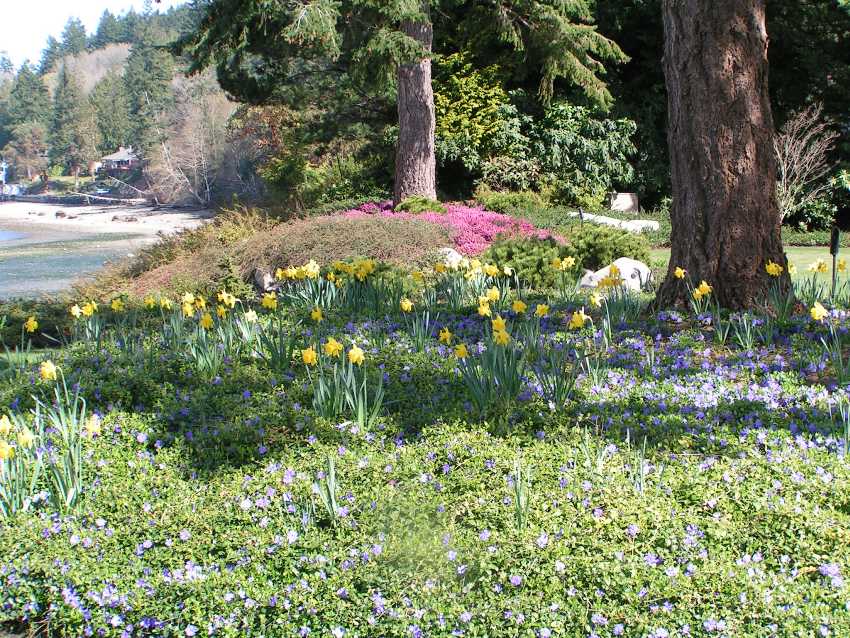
[(842, 265), (93, 425), (460, 351), (578, 319), (417, 276), (165, 303), (316, 315), (206, 321), (818, 266), (5, 426), (501, 337), (89, 308), (818, 312), (309, 356), (498, 323), (493, 294), (406, 305), (31, 325), (117, 305), (76, 311), (556, 263), (331, 277), (703, 289), (311, 269), (445, 336), (25, 438), (596, 300), (484, 308), (149, 303), (47, 370), (332, 347), (7, 452), (200, 303), (568, 262), (541, 310), (614, 270), (679, 273), (188, 298), (491, 270), (227, 299), (220, 312), (792, 269), (188, 309), (772, 269), (279, 274), (440, 267), (519, 306), (269, 301), (356, 355)]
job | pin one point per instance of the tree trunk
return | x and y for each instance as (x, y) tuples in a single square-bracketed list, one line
[(725, 218), (416, 163)]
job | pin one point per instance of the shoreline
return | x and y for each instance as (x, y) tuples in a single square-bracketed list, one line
[(144, 221)]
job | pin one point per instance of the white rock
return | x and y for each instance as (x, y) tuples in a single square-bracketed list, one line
[(636, 275)]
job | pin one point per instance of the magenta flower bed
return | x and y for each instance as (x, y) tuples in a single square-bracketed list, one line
[(473, 229)]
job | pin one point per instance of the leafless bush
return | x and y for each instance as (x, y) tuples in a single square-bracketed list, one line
[(802, 149), (193, 155), (90, 67)]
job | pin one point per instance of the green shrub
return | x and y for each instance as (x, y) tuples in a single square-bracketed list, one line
[(530, 258), (420, 204), (517, 203), (596, 246)]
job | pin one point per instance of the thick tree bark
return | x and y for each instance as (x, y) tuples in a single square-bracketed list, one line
[(416, 163), (724, 215)]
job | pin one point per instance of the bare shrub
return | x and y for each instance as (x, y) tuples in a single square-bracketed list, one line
[(802, 149)]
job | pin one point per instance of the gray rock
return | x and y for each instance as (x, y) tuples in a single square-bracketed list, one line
[(264, 281)]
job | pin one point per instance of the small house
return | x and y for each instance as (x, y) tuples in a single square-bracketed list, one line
[(124, 159)]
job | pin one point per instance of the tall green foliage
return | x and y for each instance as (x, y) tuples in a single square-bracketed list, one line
[(73, 135), (111, 107), (73, 37), (147, 77), (29, 100)]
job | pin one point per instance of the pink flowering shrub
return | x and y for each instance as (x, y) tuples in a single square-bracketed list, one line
[(473, 229)]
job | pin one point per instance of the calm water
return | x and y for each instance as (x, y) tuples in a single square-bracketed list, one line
[(38, 262)]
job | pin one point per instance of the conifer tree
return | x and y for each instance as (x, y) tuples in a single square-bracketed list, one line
[(49, 55), (112, 112), (260, 49), (27, 149), (147, 78), (29, 100), (73, 135), (73, 37), (108, 31)]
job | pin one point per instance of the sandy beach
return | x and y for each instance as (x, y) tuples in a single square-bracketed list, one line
[(122, 220), (44, 248)]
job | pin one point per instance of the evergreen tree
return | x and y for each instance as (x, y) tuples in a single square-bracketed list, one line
[(73, 37), (29, 100), (109, 30), (264, 52), (147, 78), (6, 65), (51, 53), (73, 135), (112, 112), (27, 149)]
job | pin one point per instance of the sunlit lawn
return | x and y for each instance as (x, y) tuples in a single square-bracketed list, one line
[(800, 256)]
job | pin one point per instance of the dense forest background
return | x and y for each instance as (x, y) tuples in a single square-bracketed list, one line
[(328, 137)]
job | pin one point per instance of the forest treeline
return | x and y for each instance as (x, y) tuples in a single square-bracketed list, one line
[(330, 136)]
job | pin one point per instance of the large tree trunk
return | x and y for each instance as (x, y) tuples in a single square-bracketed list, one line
[(416, 164), (724, 215)]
